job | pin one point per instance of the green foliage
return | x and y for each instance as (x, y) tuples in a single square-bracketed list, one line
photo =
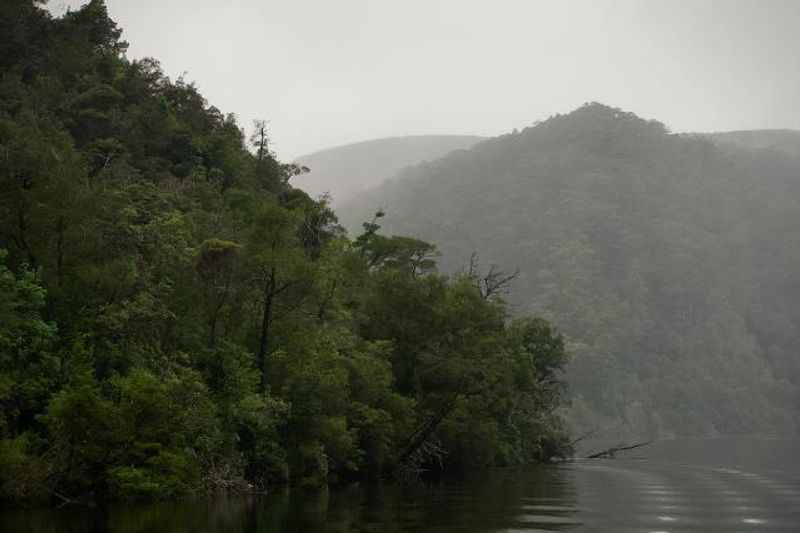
[(23, 474), (176, 318), (29, 368)]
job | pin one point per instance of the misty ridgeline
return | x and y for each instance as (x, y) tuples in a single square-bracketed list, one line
[(178, 316)]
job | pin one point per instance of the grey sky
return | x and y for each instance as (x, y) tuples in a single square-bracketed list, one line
[(330, 72)]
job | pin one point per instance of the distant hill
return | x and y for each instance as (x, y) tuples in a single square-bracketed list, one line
[(783, 141), (353, 168), (671, 261)]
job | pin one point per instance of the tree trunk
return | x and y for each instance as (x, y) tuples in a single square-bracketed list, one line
[(421, 434), (212, 331), (266, 320), (60, 251)]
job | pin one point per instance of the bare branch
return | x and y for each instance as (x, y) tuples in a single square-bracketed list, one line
[(496, 282)]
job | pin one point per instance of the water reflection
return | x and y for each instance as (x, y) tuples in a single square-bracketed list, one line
[(494, 501), (707, 488)]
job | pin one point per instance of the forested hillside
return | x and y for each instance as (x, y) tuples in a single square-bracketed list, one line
[(671, 262), (346, 171), (176, 317)]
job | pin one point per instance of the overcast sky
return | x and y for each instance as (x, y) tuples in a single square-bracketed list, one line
[(330, 72)]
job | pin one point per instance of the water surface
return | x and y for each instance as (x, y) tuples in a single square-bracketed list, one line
[(719, 485)]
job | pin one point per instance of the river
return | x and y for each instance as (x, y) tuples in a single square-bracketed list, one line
[(700, 485)]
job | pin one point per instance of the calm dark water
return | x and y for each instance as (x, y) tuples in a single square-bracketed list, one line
[(719, 485)]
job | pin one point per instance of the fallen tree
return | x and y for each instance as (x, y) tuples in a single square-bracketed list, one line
[(611, 452)]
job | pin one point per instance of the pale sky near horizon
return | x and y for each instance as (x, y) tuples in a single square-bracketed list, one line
[(326, 73)]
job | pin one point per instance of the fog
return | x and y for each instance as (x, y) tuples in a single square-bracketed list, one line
[(330, 73), (471, 235)]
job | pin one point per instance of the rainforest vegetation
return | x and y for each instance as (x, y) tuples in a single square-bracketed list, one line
[(671, 262), (176, 318)]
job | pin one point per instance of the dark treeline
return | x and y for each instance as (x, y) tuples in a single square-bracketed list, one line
[(670, 262), (175, 317)]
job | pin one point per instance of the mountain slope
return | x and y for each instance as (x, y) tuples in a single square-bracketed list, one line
[(351, 169), (671, 261)]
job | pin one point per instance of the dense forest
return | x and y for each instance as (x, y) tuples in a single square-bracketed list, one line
[(670, 262), (176, 318), (347, 171)]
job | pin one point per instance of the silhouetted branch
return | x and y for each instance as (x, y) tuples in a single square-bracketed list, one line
[(610, 452), (496, 282)]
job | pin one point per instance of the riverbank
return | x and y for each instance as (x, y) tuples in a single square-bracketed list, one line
[(710, 485)]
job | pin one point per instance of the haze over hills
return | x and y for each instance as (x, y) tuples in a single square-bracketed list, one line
[(671, 261), (786, 142), (347, 170)]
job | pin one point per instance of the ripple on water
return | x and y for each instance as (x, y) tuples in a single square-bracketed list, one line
[(544, 519), (665, 518), (660, 492), (750, 509), (552, 508), (658, 500), (543, 499), (734, 500), (668, 508), (525, 530)]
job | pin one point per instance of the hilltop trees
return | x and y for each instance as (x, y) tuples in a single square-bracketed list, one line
[(175, 317)]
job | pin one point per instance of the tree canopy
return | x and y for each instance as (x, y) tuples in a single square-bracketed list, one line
[(176, 317)]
